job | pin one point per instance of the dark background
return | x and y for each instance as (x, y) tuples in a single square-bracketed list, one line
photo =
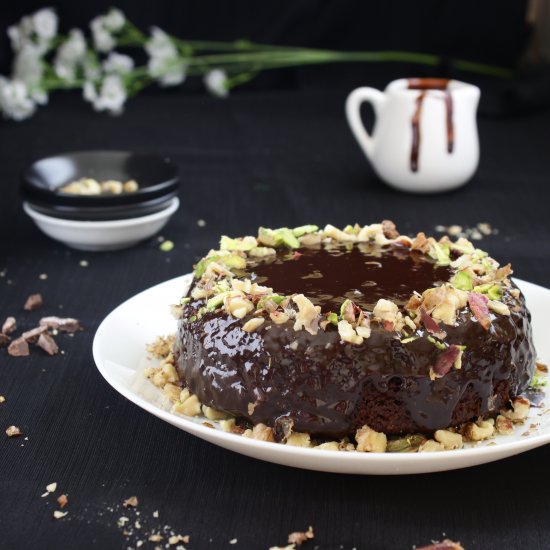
[(278, 153), (492, 32)]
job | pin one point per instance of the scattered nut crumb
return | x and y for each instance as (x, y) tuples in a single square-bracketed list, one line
[(443, 545), (166, 246), (48, 344), (132, 501), (155, 537), (62, 500), (2, 399), (13, 431), (51, 487), (58, 514), (233, 541), (34, 301), (83, 263), (201, 223), (43, 276), (298, 537)]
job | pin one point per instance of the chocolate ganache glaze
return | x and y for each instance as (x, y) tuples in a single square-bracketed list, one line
[(330, 388)]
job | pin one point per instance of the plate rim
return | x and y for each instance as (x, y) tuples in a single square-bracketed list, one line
[(490, 453)]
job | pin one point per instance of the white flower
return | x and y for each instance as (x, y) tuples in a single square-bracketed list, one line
[(27, 66), (104, 26), (118, 63), (28, 69), (103, 39), (70, 55), (45, 23), (111, 97), (165, 64), (15, 102), (114, 20), (216, 82)]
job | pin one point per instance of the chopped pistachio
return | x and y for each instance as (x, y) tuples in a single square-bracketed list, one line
[(332, 318), (437, 343), (278, 237), (406, 444), (216, 301), (493, 292), (409, 339), (243, 244), (229, 260), (185, 300), (304, 229), (463, 281), (538, 381), (262, 251), (440, 253), (343, 307), (192, 319)]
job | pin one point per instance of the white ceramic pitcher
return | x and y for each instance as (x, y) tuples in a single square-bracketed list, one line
[(425, 134)]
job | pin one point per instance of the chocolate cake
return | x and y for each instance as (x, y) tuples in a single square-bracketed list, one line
[(327, 331)]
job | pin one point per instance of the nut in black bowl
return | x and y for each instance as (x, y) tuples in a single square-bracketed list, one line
[(157, 179)]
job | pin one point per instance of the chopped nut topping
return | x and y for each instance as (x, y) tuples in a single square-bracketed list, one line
[(62, 500), (480, 430), (58, 323), (262, 433), (297, 439), (504, 425), (58, 514), (431, 446), (519, 411), (307, 316), (370, 441), (443, 545), (253, 324), (348, 333), (450, 440), (188, 404)]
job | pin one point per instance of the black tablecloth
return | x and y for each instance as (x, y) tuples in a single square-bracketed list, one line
[(281, 159)]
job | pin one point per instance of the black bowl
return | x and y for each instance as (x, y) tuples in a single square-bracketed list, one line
[(157, 178)]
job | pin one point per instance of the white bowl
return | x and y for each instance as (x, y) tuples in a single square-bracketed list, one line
[(102, 235)]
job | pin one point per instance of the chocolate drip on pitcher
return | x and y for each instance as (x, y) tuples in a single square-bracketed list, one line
[(426, 84)]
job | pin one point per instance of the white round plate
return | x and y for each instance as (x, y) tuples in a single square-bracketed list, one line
[(139, 320)]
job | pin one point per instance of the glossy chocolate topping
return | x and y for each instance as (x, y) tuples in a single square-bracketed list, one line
[(330, 388), (364, 274)]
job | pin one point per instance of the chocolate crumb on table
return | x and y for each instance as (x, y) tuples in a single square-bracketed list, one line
[(48, 344), (19, 348), (9, 326), (34, 301)]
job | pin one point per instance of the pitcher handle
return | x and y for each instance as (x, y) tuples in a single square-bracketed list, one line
[(353, 114)]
